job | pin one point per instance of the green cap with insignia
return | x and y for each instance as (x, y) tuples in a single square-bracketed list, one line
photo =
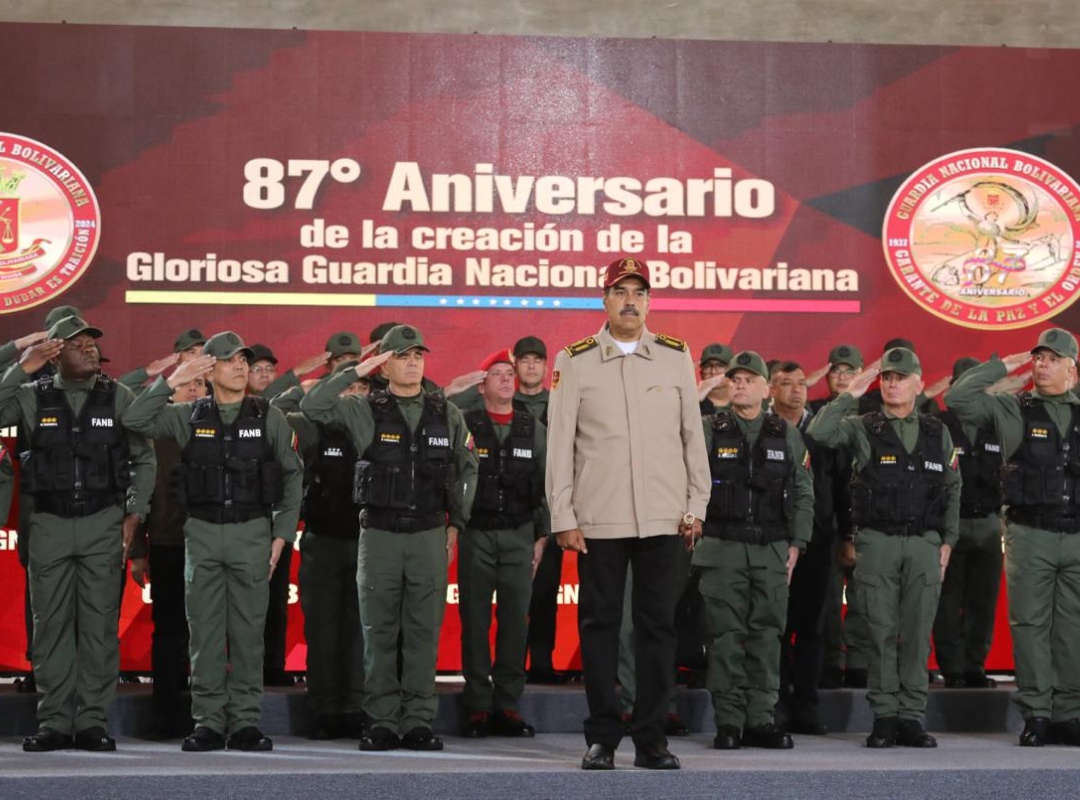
[(71, 326), (1059, 341), (846, 354), (225, 345), (58, 313), (901, 361), (716, 352), (344, 342), (748, 361), (401, 339), (187, 340), (962, 365)]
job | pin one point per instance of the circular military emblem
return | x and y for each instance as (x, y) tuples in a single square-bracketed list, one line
[(895, 356), (50, 223), (408, 333), (985, 238), (343, 340), (744, 359), (843, 352)]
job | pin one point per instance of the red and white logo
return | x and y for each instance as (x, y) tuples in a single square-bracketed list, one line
[(50, 223), (986, 238)]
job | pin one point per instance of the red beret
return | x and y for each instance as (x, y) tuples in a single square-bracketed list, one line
[(498, 357)]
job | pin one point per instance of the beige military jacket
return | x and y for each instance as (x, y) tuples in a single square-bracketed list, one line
[(626, 451)]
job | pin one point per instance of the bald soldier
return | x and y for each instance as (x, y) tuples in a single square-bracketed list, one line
[(1039, 434), (905, 508), (241, 482)]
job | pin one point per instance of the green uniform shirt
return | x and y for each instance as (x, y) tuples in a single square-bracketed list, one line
[(9, 354), (135, 379), (152, 414), (353, 413), (18, 406), (834, 426), (535, 404), (801, 523), (973, 406)]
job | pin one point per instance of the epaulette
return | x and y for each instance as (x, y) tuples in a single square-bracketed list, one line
[(671, 341), (581, 346)]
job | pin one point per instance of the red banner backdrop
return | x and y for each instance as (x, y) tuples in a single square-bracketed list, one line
[(289, 184)]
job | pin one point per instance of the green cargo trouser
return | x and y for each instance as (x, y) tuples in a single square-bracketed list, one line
[(402, 579), (745, 590), (500, 563), (331, 604), (1042, 574), (226, 589), (899, 578), (964, 627), (74, 571)]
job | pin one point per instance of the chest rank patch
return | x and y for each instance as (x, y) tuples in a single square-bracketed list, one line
[(438, 441), (774, 455), (390, 438), (887, 461), (48, 422), (482, 452), (727, 452), (1040, 433), (961, 452), (334, 452), (205, 433)]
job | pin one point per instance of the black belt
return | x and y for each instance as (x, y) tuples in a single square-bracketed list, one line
[(494, 521), (1055, 523), (227, 516), (397, 522), (745, 534), (63, 506), (978, 512)]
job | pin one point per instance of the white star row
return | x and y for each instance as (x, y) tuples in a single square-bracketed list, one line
[(495, 301)]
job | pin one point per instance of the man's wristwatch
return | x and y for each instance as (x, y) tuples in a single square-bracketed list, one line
[(688, 519)]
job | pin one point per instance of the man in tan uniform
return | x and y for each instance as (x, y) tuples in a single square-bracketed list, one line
[(627, 474)]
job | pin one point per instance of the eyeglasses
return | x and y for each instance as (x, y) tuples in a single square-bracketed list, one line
[(269, 370), (713, 366), (842, 372)]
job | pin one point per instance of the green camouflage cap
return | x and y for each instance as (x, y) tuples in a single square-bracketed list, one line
[(344, 342), (962, 365), (902, 361), (748, 361), (1057, 340), (402, 338), (71, 326), (187, 340), (716, 352), (846, 354), (225, 345), (58, 313)]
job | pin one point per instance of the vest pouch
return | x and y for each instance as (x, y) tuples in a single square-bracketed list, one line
[(178, 484), (204, 484), (1049, 487), (862, 503), (488, 493), (29, 461), (272, 482), (362, 483), (95, 480)]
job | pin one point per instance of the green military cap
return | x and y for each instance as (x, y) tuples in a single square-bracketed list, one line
[(530, 344), (716, 352), (187, 340), (962, 365), (902, 361), (1057, 340), (846, 354), (748, 361), (402, 338), (58, 313), (70, 327), (344, 342), (225, 345)]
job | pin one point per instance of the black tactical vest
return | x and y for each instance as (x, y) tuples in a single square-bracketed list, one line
[(403, 478), (76, 465), (229, 472), (980, 469), (752, 483), (896, 492), (508, 486), (328, 508), (1040, 482)]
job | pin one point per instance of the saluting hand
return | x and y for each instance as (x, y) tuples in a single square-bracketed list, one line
[(190, 370), (367, 348), (155, 368), (365, 368), (861, 382), (463, 382), (937, 387), (31, 338), (708, 384), (35, 357), (1016, 360), (1010, 384), (815, 377), (311, 364)]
